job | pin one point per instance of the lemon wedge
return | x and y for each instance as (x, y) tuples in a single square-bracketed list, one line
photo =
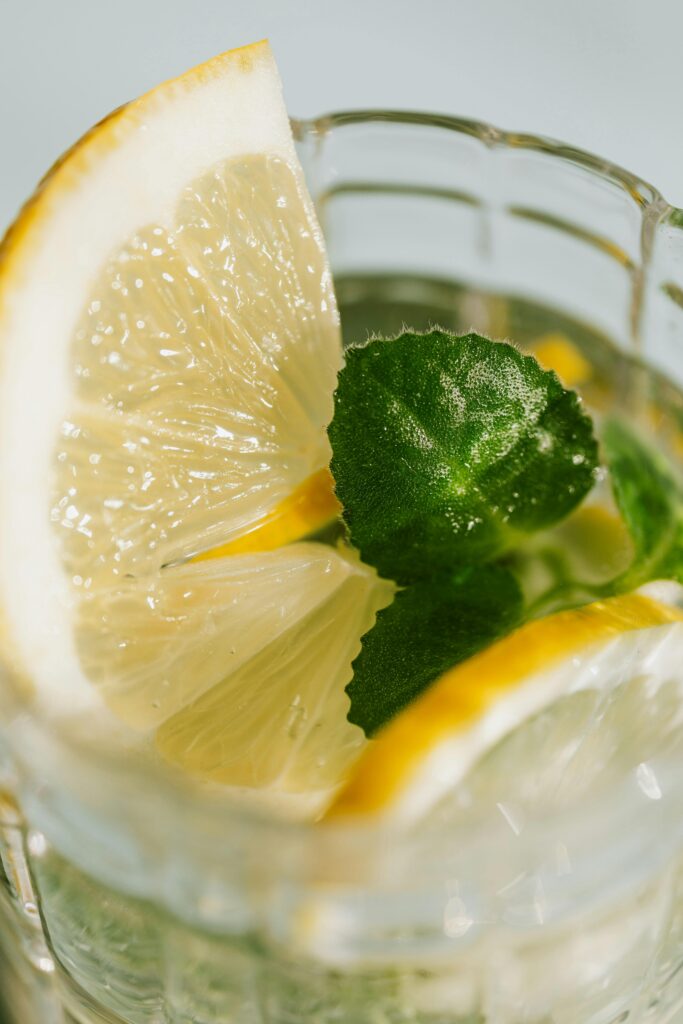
[(170, 345), (626, 650), (555, 351)]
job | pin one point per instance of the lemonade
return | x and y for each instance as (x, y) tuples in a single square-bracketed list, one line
[(191, 827)]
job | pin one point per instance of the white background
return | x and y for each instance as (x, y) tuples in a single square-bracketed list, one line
[(606, 75)]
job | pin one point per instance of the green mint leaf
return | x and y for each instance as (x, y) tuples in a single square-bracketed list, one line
[(446, 449), (650, 499), (428, 628)]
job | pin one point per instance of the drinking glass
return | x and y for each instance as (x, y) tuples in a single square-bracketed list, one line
[(131, 896)]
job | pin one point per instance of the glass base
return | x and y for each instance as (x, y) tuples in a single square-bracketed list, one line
[(207, 980)]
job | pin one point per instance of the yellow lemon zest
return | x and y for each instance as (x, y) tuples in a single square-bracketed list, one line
[(309, 508)]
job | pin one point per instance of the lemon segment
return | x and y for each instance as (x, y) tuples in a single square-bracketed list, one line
[(435, 741), (309, 508), (201, 376), (292, 734)]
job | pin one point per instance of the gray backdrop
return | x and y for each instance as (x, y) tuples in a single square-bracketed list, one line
[(604, 74)]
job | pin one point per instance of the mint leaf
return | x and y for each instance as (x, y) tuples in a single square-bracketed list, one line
[(446, 449), (650, 499), (428, 628)]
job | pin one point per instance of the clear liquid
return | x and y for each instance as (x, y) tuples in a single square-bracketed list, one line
[(96, 955)]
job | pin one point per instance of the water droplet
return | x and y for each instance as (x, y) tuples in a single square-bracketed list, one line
[(456, 920), (37, 843), (648, 782)]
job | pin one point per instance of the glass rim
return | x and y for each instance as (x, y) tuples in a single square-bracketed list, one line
[(641, 191)]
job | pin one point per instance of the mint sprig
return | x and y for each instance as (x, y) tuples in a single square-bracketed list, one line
[(447, 452), (650, 500)]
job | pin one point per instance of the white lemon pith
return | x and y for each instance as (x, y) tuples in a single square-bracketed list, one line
[(170, 344), (613, 665)]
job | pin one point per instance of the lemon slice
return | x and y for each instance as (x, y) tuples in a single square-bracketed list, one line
[(481, 719), (170, 344)]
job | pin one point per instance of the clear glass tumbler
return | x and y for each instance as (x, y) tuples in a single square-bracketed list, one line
[(133, 897)]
